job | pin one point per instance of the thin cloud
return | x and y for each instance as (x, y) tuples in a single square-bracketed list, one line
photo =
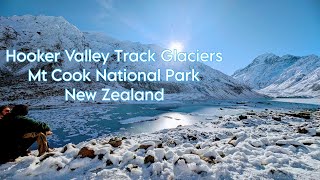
[(108, 10), (106, 5)]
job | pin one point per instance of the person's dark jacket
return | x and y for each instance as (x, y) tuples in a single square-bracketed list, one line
[(21, 125), (12, 129)]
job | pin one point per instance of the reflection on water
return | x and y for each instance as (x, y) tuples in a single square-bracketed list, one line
[(76, 124), (163, 121)]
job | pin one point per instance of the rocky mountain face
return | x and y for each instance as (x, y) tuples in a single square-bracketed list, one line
[(55, 34), (285, 76)]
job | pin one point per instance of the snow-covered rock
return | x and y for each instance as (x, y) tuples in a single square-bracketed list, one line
[(282, 76), (264, 149)]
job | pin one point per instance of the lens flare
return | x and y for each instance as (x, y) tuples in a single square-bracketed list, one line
[(176, 45)]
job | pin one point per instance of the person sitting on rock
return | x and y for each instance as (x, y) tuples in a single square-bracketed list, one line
[(4, 139), (25, 131), (4, 110)]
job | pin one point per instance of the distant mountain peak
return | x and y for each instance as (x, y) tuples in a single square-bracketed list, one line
[(288, 75), (266, 58)]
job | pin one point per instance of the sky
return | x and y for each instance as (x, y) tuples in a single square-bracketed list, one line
[(240, 29)]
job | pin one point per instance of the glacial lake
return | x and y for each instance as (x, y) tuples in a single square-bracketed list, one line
[(79, 123)]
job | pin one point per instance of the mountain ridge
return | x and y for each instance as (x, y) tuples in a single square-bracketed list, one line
[(54, 34), (287, 76)]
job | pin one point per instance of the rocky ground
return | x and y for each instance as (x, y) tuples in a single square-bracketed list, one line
[(255, 145)]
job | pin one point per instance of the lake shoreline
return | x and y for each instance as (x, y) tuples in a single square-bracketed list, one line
[(263, 144)]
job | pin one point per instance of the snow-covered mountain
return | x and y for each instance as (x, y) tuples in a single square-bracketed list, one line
[(55, 34), (282, 76)]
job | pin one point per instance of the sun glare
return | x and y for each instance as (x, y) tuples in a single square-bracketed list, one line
[(176, 45)]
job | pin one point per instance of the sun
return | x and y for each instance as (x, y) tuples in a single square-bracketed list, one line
[(176, 45)]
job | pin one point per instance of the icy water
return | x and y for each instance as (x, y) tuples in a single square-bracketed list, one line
[(315, 101), (76, 124)]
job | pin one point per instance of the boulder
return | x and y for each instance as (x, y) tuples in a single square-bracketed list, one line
[(304, 115), (241, 117), (302, 130), (109, 162), (149, 159), (144, 146), (86, 152), (115, 142), (276, 118)]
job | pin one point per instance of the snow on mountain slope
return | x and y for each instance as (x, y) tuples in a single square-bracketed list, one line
[(282, 76), (54, 34)]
